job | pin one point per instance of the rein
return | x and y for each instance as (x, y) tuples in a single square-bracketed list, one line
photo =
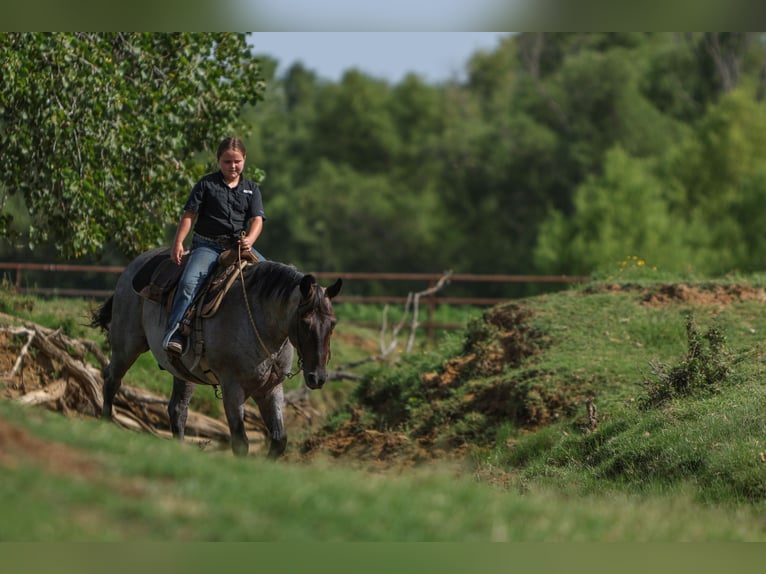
[(272, 356)]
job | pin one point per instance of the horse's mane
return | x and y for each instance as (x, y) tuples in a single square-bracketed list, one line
[(272, 279)]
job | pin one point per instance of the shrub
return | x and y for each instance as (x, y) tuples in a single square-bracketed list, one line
[(706, 367)]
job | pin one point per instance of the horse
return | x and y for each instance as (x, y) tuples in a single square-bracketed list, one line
[(248, 344)]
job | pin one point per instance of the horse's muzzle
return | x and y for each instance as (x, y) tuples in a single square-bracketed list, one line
[(315, 380)]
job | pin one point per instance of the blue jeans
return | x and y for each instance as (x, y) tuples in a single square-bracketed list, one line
[(202, 260)]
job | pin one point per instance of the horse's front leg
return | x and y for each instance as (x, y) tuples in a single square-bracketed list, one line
[(109, 390), (178, 406), (270, 406), (234, 406)]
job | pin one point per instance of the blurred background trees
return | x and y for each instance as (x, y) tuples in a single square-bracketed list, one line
[(554, 153)]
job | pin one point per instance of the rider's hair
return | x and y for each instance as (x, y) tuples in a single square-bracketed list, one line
[(230, 143)]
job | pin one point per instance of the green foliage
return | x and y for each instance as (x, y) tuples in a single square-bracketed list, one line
[(11, 303), (100, 130), (624, 210), (706, 368), (471, 387), (692, 208), (356, 113), (719, 168), (321, 223), (392, 397)]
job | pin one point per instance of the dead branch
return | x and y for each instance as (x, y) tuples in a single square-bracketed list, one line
[(298, 400), (20, 359), (413, 301), (95, 350), (386, 348), (52, 392), (341, 375), (443, 280), (149, 411), (87, 376), (388, 342), (125, 417), (139, 395)]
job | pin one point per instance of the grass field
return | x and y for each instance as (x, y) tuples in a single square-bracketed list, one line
[(504, 402), (92, 482)]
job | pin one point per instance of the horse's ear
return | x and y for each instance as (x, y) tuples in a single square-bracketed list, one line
[(307, 283), (334, 289)]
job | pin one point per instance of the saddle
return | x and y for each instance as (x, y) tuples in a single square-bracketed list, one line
[(157, 281), (158, 278)]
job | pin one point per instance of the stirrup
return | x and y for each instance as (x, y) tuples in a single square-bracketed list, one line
[(171, 339), (175, 347)]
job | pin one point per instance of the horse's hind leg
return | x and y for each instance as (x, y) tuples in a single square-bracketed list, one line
[(270, 406), (178, 407), (121, 360), (234, 407)]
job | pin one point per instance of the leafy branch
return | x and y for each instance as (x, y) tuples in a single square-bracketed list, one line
[(101, 131)]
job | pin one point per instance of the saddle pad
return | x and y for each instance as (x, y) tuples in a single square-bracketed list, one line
[(158, 276)]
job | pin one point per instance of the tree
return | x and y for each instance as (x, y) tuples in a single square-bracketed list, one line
[(417, 112), (623, 212), (354, 125), (343, 219), (719, 167), (100, 131), (284, 129)]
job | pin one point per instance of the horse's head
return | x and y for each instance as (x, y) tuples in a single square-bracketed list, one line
[(314, 323)]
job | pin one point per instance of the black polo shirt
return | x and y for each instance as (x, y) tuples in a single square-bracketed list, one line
[(222, 210)]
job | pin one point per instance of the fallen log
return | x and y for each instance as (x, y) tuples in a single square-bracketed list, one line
[(80, 388), (52, 392), (88, 377)]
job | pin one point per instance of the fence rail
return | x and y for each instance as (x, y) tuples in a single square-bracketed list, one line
[(429, 280)]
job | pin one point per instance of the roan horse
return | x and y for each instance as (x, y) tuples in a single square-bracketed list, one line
[(248, 344)]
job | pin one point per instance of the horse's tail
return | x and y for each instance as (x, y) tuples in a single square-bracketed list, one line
[(102, 317)]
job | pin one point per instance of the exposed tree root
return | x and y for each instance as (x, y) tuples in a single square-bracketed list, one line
[(55, 370)]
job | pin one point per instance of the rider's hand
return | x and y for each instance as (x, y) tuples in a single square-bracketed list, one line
[(176, 253), (245, 244)]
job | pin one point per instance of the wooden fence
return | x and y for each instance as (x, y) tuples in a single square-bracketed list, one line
[(428, 280)]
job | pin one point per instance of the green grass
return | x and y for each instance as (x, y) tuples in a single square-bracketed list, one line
[(608, 344), (113, 485), (395, 313), (710, 445), (711, 449), (688, 468)]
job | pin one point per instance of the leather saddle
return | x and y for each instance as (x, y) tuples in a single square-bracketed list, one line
[(158, 278)]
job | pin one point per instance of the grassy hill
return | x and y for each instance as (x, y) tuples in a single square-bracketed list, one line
[(636, 388), (631, 411)]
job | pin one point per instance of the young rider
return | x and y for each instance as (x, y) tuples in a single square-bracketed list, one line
[(228, 210)]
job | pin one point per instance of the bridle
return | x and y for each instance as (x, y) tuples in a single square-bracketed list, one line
[(272, 357)]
